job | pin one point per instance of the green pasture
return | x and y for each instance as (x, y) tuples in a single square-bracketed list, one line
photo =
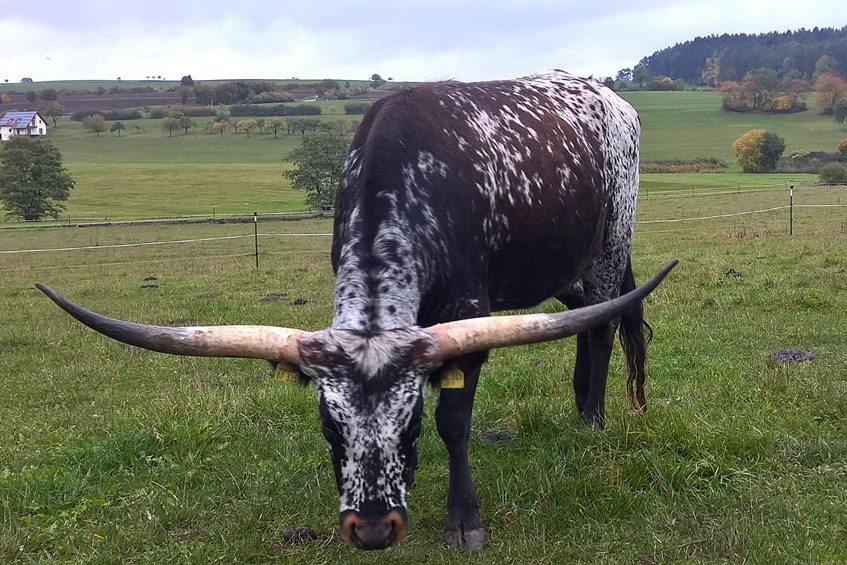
[(110, 454), (141, 173), (691, 125)]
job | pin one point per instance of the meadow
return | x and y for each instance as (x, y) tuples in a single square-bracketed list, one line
[(111, 454)]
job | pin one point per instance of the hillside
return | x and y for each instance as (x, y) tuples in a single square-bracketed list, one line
[(713, 59)]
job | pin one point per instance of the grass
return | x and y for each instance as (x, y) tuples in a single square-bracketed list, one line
[(110, 454)]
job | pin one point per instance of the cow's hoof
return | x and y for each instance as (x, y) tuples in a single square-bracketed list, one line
[(473, 539), (593, 421)]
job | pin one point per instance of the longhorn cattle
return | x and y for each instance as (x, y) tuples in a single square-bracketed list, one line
[(456, 200)]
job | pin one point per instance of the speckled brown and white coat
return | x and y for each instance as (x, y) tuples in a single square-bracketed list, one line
[(457, 200)]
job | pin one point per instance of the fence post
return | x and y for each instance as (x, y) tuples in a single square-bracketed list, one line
[(791, 210), (256, 236)]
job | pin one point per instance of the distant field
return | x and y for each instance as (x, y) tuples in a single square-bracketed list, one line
[(140, 174), (691, 125), (90, 85)]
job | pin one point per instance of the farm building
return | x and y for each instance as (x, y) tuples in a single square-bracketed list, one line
[(22, 123)]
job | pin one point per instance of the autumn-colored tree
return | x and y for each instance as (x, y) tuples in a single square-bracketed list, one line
[(828, 88), (219, 126), (246, 125), (758, 151), (732, 97), (842, 148), (5, 98)]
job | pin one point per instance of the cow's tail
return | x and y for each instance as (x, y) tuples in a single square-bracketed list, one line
[(635, 334)]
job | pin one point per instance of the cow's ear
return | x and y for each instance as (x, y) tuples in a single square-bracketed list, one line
[(286, 372), (423, 353)]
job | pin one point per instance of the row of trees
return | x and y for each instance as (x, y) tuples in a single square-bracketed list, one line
[(763, 91), (175, 121)]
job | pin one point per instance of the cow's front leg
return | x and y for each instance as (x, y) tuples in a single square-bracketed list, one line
[(464, 527)]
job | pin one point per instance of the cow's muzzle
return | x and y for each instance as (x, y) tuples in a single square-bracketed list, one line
[(373, 534)]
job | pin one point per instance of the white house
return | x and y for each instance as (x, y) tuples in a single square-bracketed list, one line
[(22, 123)]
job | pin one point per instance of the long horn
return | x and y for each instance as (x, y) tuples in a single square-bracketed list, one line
[(478, 334), (254, 342)]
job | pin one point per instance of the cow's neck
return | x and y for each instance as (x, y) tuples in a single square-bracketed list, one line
[(377, 285)]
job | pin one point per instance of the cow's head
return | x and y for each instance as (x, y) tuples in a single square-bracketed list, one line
[(369, 387), (370, 391)]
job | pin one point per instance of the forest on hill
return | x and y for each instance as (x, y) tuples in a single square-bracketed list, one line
[(711, 60)]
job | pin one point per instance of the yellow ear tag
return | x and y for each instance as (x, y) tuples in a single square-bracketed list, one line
[(287, 372), (453, 377)]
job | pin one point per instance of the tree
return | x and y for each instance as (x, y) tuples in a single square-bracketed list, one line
[(169, 124), (758, 151), (246, 125), (95, 123), (276, 125), (185, 123), (640, 74), (54, 111), (842, 149), (829, 87), (773, 147), (117, 127), (49, 95), (839, 110), (624, 75), (33, 182), (31, 96), (317, 167), (219, 126)]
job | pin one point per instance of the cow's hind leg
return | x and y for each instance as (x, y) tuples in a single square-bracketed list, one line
[(593, 352), (464, 527), (594, 349)]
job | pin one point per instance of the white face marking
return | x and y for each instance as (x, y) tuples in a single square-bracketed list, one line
[(371, 402), (372, 464)]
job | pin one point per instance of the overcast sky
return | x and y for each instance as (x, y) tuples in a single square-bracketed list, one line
[(407, 40)]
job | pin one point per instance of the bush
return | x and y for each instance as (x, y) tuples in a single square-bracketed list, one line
[(190, 111), (112, 115), (758, 151), (253, 110), (356, 108), (833, 173)]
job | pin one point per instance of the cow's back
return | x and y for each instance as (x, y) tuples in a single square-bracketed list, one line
[(514, 185)]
